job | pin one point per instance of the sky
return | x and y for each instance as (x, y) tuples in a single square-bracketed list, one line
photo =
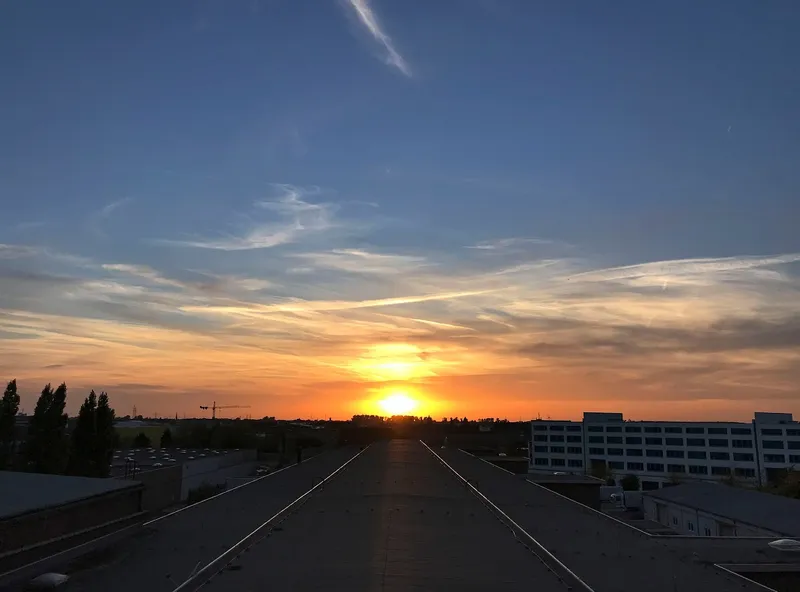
[(505, 208)]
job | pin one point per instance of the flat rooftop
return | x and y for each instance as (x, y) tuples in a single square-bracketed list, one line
[(21, 493), (607, 555), (394, 519)]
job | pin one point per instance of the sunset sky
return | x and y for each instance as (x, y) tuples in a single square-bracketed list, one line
[(498, 207)]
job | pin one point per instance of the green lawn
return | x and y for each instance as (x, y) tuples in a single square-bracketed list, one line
[(126, 435)]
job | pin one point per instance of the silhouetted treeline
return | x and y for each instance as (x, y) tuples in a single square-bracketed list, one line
[(46, 446)]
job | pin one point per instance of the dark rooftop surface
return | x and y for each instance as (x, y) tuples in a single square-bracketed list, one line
[(772, 512), (394, 519), (21, 493), (163, 555), (608, 556)]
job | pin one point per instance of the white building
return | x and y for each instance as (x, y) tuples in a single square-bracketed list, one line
[(710, 509), (660, 452)]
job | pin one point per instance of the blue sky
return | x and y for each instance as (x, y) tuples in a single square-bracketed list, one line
[(344, 151)]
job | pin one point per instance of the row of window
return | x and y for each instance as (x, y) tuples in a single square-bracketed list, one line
[(779, 432), (555, 438), (558, 462), (558, 449), (679, 469), (781, 458), (674, 430), (668, 429), (557, 428), (691, 454), (658, 453), (778, 444), (696, 442)]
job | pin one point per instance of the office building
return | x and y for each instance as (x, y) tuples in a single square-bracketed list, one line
[(660, 452)]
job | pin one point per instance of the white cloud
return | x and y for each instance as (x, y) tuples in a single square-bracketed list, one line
[(360, 261), (507, 243), (110, 208), (143, 272), (97, 218), (17, 251), (298, 217), (684, 267), (367, 18)]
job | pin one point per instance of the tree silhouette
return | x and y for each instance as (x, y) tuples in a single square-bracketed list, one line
[(84, 436), (629, 483), (141, 441), (45, 450), (9, 406), (106, 438), (166, 439)]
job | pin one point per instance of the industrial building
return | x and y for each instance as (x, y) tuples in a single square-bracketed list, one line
[(711, 509), (36, 508), (660, 452)]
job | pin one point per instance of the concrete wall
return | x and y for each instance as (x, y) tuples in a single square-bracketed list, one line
[(162, 487), (171, 485), (689, 521), (587, 494), (729, 550), (216, 470), (218, 477), (38, 527)]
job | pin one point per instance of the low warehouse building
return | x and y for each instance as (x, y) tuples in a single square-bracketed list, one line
[(710, 509), (36, 508)]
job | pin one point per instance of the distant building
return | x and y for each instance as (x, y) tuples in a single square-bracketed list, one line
[(711, 509), (660, 452)]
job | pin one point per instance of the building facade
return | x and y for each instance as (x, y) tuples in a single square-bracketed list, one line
[(707, 509), (659, 452)]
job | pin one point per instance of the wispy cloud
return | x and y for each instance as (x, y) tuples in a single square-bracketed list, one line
[(97, 218), (112, 207), (364, 262), (142, 272), (17, 251), (685, 267), (297, 217), (507, 243), (502, 315), (368, 19)]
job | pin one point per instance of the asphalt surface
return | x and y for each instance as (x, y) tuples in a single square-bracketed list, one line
[(161, 556), (147, 459), (608, 556), (394, 519)]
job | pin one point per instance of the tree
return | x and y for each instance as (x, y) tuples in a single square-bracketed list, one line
[(630, 483), (45, 450), (141, 441), (601, 471), (9, 407), (84, 436), (106, 438), (166, 439)]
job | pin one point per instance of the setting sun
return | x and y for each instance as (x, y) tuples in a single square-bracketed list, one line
[(398, 404)]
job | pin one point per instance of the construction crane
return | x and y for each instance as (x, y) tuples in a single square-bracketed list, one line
[(214, 408)]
